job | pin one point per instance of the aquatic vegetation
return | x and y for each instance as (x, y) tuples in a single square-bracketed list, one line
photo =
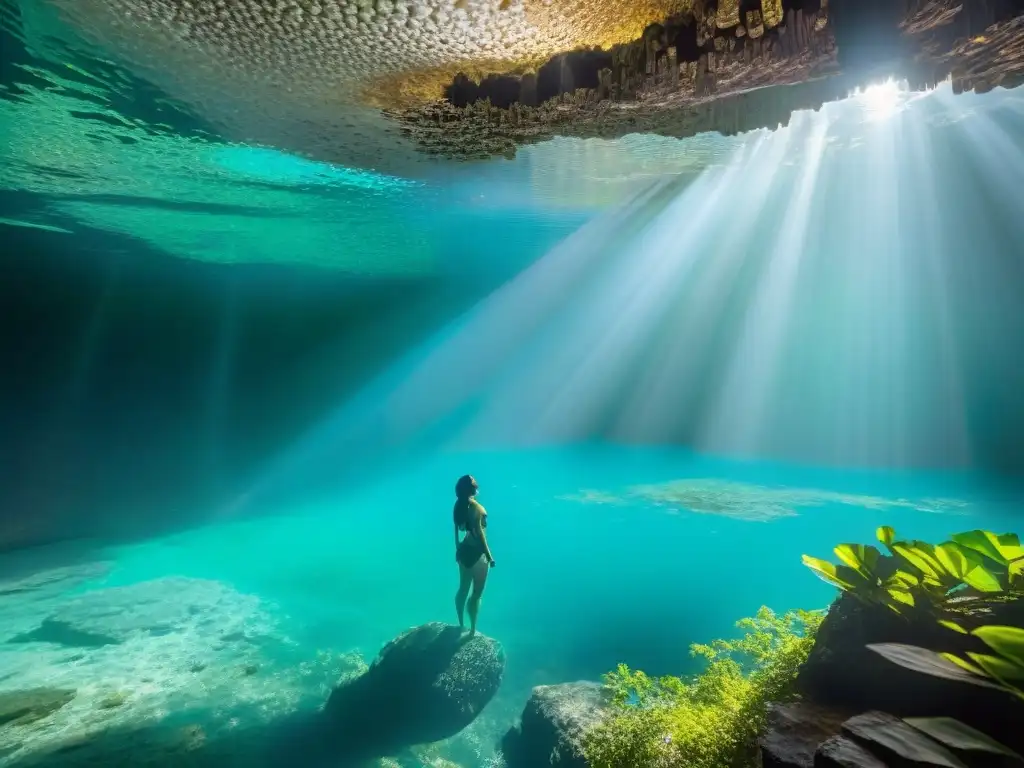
[(754, 503), (932, 740), (978, 564), (712, 720), (1002, 667)]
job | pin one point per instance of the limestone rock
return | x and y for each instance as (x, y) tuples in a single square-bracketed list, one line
[(425, 685), (794, 732), (553, 723)]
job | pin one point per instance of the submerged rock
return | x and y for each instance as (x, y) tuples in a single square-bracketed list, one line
[(193, 673), (169, 684), (425, 685), (896, 742), (159, 607), (793, 733), (28, 596), (842, 752), (553, 724), (23, 707)]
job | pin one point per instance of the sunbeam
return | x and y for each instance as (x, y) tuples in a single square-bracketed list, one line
[(795, 301), (881, 100), (739, 416)]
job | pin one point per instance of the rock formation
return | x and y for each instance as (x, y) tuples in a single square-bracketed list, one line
[(854, 698), (552, 725), (710, 68), (426, 685)]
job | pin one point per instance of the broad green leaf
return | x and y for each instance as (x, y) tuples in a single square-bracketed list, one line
[(1016, 572), (920, 555), (967, 565), (928, 662), (983, 580), (954, 559), (964, 664), (902, 580), (1009, 545), (958, 735), (989, 545), (829, 572), (860, 557), (1008, 642), (995, 666), (886, 535), (953, 626), (901, 596)]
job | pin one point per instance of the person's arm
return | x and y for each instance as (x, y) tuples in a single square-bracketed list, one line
[(481, 531)]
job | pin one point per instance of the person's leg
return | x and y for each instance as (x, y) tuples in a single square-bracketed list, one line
[(465, 579), (479, 575)]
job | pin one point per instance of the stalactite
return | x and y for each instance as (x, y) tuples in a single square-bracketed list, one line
[(728, 14), (771, 11)]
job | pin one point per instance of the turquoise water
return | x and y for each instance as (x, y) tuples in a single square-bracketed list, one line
[(802, 292), (604, 555)]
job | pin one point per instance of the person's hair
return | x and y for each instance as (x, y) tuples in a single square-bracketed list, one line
[(464, 490)]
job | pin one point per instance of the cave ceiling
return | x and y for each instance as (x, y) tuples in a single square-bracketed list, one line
[(392, 84)]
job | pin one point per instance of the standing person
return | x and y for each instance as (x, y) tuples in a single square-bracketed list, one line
[(472, 553)]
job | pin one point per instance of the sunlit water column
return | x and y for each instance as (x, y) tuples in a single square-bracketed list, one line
[(803, 300)]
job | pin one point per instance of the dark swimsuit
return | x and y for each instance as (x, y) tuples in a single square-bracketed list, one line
[(471, 549)]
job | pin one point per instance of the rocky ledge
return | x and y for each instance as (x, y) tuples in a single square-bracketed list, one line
[(857, 706), (728, 66), (855, 709)]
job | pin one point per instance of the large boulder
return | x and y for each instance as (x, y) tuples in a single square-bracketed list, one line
[(426, 685), (553, 724), (842, 672)]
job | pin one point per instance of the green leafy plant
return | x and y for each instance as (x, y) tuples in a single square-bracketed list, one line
[(926, 576), (1002, 667), (711, 720), (931, 738)]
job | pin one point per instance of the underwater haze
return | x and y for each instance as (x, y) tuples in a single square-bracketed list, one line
[(237, 388)]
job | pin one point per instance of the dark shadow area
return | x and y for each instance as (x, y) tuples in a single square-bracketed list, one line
[(586, 65), (59, 633), (687, 50), (141, 390), (868, 35)]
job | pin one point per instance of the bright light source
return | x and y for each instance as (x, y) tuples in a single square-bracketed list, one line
[(881, 100)]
